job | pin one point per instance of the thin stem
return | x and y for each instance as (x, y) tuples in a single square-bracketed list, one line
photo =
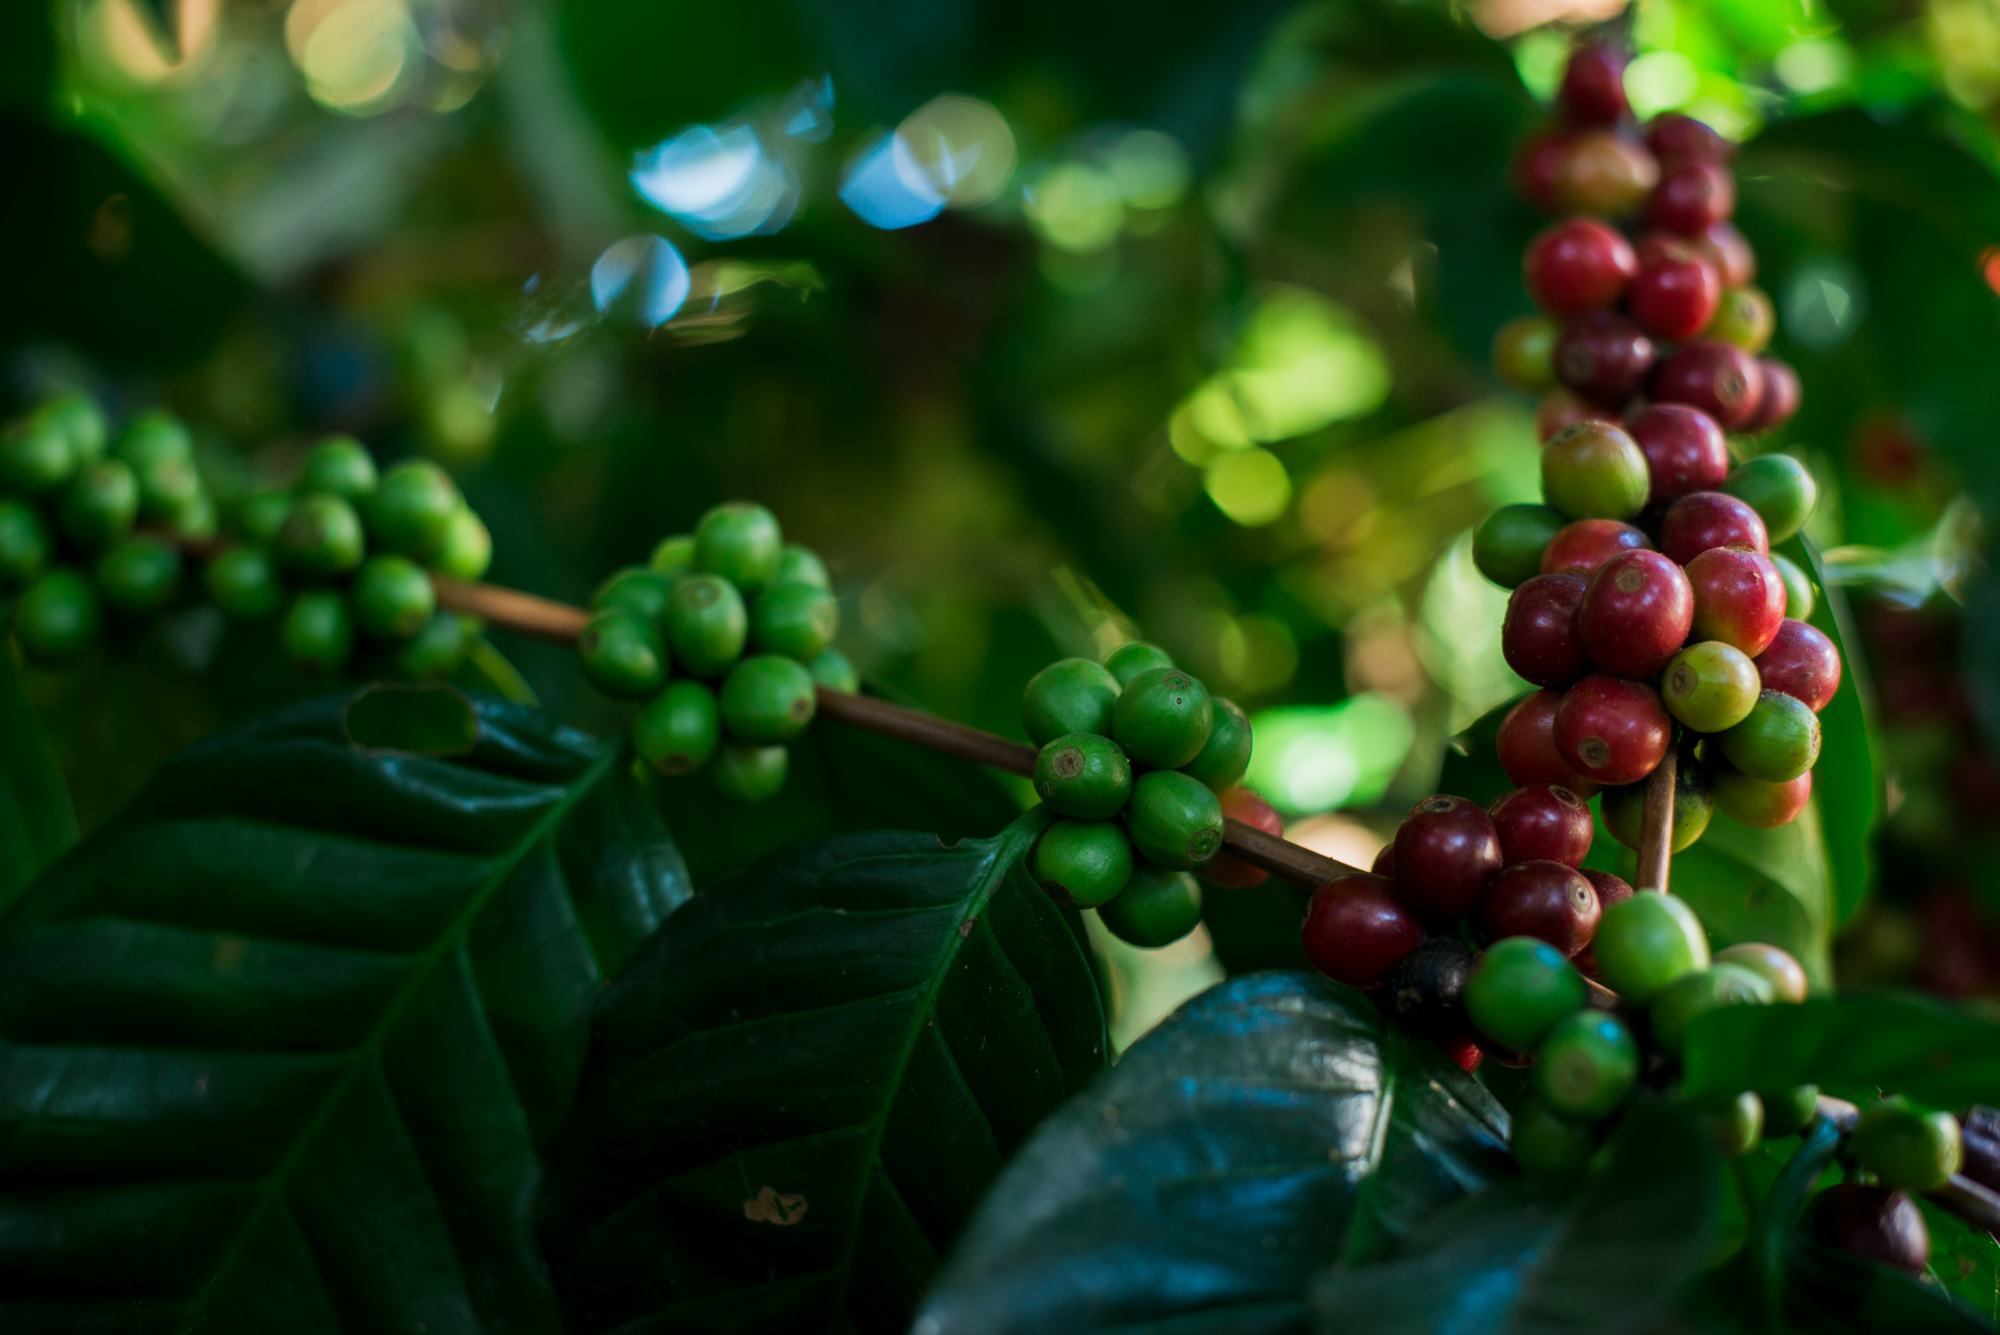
[(1656, 825)]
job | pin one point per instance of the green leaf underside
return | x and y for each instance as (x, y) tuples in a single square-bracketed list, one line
[(278, 1045), (1520, 1259), (802, 1087), (1270, 1124), (36, 819), (1933, 1052)]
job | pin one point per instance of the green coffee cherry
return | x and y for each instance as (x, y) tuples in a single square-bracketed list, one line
[(166, 486), (635, 589), (393, 597), (322, 538), (100, 504), (78, 417), (1156, 908), (679, 728), (1083, 775), (1129, 660), (244, 584), (262, 515), (1710, 686), (1735, 1126), (1673, 1010), (318, 632), (339, 466), (412, 509), (1593, 470), (468, 548), (832, 670), (1798, 588), (1069, 695), (1586, 1066), (25, 543), (1779, 489), (1175, 820), (1519, 989), (1544, 1143), (57, 617), (154, 436), (1084, 863), (1777, 741), (622, 654), (674, 556), (1524, 353), (767, 698), (751, 773), (437, 650), (1907, 1149), (1624, 808), (1162, 718), (1645, 943), (195, 518), (801, 565), (1225, 757), (740, 541), (1744, 317), (1787, 1112), (35, 458), (797, 620), (139, 574), (706, 624), (1507, 547)]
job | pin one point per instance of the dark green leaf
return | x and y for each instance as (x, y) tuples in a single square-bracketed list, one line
[(400, 716), (1271, 1123), (1927, 1049), (1840, 1294), (1763, 885), (278, 1045), (36, 819), (802, 1087), (1775, 1227), (1965, 1261)]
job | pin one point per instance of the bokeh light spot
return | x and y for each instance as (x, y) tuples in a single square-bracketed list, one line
[(1076, 207), (1150, 169), (886, 189), (1824, 302), (1252, 487), (648, 271), (1660, 81), (1313, 758), (718, 182), (359, 57), (1814, 64), (1989, 267), (962, 146)]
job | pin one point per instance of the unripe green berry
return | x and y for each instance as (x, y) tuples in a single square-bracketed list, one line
[(751, 773), (706, 624), (1743, 317), (1083, 775), (139, 574), (1519, 989), (679, 728), (154, 436), (1775, 966), (1069, 695), (1734, 1126), (832, 670), (740, 541), (1162, 718), (339, 466), (57, 618), (35, 457), (1225, 756), (1673, 1010), (635, 589), (244, 583), (674, 555), (1129, 660), (622, 654), (1907, 1149), (195, 518), (100, 504), (767, 698), (1710, 686), (1593, 470), (1084, 863), (1777, 741), (800, 564), (262, 516), (318, 631), (25, 543), (1586, 1066), (165, 486), (412, 509), (1175, 821), (77, 416), (436, 650), (1779, 489), (1507, 546), (1624, 808), (468, 547), (322, 538), (1545, 1143), (1156, 908), (797, 620), (1789, 1111), (1524, 353), (1645, 943), (1798, 588), (393, 597)]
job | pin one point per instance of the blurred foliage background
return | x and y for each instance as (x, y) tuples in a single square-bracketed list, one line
[(1047, 324)]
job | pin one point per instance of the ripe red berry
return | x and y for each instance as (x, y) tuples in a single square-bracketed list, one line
[(1581, 547), (1385, 861), (1635, 614), (1603, 356), (1463, 1050), (1560, 408), (1704, 519), (1685, 450), (1356, 929), (1240, 803), (1606, 173), (1610, 890), (1546, 900), (1538, 637), (1542, 821), (1674, 298), (1739, 598), (1578, 266), (1719, 378), (1612, 729), (1801, 662), (1675, 139), (1875, 1222), (1593, 85), (1526, 746), (1780, 399), (1735, 262), (1760, 805), (1692, 196), (1446, 852)]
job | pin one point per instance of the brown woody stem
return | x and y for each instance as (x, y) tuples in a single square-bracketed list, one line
[(1656, 826)]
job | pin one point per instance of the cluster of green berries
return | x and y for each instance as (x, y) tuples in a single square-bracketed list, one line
[(1135, 757), (674, 634)]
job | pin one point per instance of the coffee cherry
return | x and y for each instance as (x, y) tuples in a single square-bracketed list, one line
[(1539, 637), (1907, 1149), (25, 543), (1739, 598), (1083, 775), (1069, 695), (1785, 974), (322, 538), (622, 654), (1545, 900), (1719, 378), (1635, 613), (167, 487), (1801, 662), (673, 556), (1580, 548), (1787, 1112), (1357, 930), (318, 631), (1385, 860), (1518, 991), (1675, 139), (1780, 401), (35, 457), (1725, 247), (1760, 805), (1542, 821), (636, 589), (1593, 85), (1593, 470), (1624, 809), (1777, 741), (750, 773), (1426, 989), (832, 670), (467, 549), (1082, 863), (1507, 547), (1542, 1142), (1690, 197), (262, 515), (1526, 746), (139, 574), (1685, 450), (1873, 1222), (1522, 351), (1446, 852), (435, 652), (1536, 171), (1735, 1126), (1225, 756), (797, 620), (393, 597), (1577, 266), (1560, 408), (1610, 890), (706, 624), (1744, 317), (1646, 943), (1175, 821), (339, 466), (679, 729), (767, 698), (57, 617), (1710, 686), (1779, 489), (76, 414), (195, 519), (244, 584), (1156, 908), (1675, 298), (1586, 1067), (1129, 660), (1233, 873), (1604, 172), (99, 505), (412, 509), (799, 564), (1603, 356), (1705, 519), (1696, 994), (1162, 718), (740, 541)]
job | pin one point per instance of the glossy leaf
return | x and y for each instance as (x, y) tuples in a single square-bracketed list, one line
[(1763, 885), (802, 1087), (36, 819), (1933, 1052), (278, 1045), (1271, 1123), (1965, 1262), (1832, 1292)]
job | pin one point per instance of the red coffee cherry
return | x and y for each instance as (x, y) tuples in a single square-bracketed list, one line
[(1526, 746), (1760, 805), (1606, 173), (1240, 803), (1635, 614), (1356, 929), (1739, 598), (1719, 378), (1537, 169), (1727, 249), (1581, 547), (1685, 450), (1704, 519), (1692, 196), (1603, 356), (1462, 1049), (1538, 637), (1543, 899), (1674, 298), (1781, 396), (1385, 861), (1610, 890), (1611, 729), (1560, 408), (1802, 662), (1875, 1222), (1446, 852), (1542, 821), (1675, 139), (1593, 85), (1578, 266)]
